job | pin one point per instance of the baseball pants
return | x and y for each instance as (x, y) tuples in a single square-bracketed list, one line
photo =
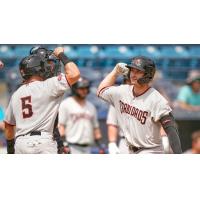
[(123, 147), (37, 144), (76, 149)]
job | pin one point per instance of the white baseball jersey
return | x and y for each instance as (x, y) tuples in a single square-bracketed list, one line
[(34, 106), (79, 121), (138, 116)]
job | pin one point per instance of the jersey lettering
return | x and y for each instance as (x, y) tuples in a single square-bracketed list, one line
[(27, 111), (140, 115)]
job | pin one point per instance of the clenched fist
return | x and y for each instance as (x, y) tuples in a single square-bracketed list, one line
[(121, 69), (58, 50)]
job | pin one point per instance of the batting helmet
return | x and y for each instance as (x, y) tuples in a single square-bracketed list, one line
[(48, 55), (81, 83), (34, 65), (146, 65)]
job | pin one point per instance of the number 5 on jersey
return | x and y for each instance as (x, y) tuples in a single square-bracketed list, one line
[(27, 111)]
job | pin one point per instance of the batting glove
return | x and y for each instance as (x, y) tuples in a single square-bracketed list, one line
[(112, 148), (121, 69), (166, 145)]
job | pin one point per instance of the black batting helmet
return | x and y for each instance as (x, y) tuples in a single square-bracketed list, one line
[(146, 65), (34, 65), (81, 83), (49, 57)]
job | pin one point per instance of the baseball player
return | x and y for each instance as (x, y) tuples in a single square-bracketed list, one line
[(42, 52), (141, 109), (78, 119), (34, 106)]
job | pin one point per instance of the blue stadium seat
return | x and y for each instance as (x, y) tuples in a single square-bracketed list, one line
[(6, 52), (87, 52), (149, 51), (174, 52), (22, 50), (117, 52), (194, 51), (70, 52)]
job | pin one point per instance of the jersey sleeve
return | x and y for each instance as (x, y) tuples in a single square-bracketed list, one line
[(9, 116), (160, 108), (57, 85), (109, 94), (95, 119), (63, 114), (183, 95), (112, 117)]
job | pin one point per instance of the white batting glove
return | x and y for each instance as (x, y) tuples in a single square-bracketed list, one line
[(112, 148), (166, 145), (121, 69)]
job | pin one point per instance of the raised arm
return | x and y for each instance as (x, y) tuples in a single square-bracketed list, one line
[(71, 70), (110, 79)]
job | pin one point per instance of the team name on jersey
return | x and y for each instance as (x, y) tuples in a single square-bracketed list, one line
[(140, 115), (77, 116)]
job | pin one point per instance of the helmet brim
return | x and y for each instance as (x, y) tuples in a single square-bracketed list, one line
[(136, 67)]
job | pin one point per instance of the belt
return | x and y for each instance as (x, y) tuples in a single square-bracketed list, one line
[(29, 133), (134, 149), (122, 137), (80, 145)]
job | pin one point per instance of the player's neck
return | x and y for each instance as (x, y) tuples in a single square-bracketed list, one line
[(80, 100), (140, 89)]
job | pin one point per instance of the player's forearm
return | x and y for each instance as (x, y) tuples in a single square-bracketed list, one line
[(10, 138), (174, 140), (97, 134), (72, 72), (9, 131), (108, 81), (61, 129), (169, 125), (112, 133)]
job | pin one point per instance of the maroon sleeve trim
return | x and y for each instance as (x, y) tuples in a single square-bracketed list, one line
[(102, 90)]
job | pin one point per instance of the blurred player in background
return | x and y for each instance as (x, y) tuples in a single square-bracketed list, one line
[(114, 130), (141, 109), (189, 95), (78, 121), (34, 106), (195, 143), (1, 64)]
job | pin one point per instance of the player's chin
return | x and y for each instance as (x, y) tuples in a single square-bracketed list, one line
[(134, 82)]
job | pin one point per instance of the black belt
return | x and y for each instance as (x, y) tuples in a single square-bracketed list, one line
[(30, 133), (134, 149), (80, 145), (122, 137)]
